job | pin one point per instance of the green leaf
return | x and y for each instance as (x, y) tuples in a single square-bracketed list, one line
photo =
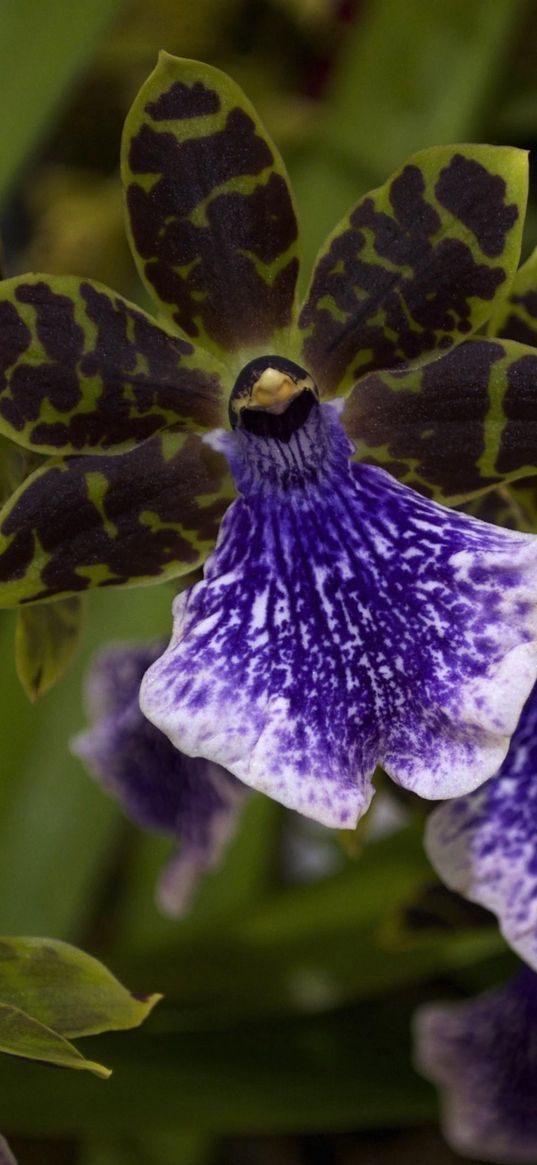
[(212, 222), (516, 316), (46, 639), (414, 73), (456, 427), (43, 49), (49, 808), (66, 989), (65, 993), (417, 265), (85, 371), (134, 518), (21, 1035)]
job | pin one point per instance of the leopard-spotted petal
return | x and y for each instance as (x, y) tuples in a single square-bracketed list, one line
[(104, 521), (417, 265), (516, 317), (84, 371), (211, 217), (456, 426)]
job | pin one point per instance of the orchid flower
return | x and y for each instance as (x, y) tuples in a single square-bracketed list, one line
[(163, 791), (345, 620), (482, 1055)]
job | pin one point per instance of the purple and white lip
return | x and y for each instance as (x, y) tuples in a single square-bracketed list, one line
[(344, 621)]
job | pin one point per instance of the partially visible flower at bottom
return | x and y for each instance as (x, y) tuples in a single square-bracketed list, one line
[(160, 789), (482, 1055), (6, 1156), (484, 845)]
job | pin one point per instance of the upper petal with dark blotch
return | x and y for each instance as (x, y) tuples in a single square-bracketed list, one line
[(211, 216), (456, 426), (345, 621), (163, 791), (482, 1055), (84, 371), (417, 265), (104, 521), (485, 845)]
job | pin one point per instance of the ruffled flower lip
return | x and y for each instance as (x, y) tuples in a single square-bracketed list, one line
[(343, 622)]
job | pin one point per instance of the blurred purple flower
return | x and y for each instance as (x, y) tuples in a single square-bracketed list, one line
[(482, 1055), (162, 790)]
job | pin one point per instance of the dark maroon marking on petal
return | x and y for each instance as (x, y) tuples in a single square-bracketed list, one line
[(198, 164), (14, 562), (515, 328), (52, 327), (477, 198), (440, 427), (437, 295), (58, 509), (15, 338), (519, 437), (182, 101), (238, 303), (409, 205), (222, 291), (56, 379), (168, 386)]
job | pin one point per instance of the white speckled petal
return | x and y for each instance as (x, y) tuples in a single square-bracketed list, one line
[(485, 845), (345, 621)]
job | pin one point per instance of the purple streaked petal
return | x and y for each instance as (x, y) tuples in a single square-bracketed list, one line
[(345, 621), (188, 798), (482, 1055), (485, 845)]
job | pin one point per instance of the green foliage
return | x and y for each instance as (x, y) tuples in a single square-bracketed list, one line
[(43, 48), (410, 76), (50, 991), (46, 639)]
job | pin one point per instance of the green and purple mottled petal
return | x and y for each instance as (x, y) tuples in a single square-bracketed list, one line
[(84, 371), (102, 521), (417, 266), (453, 428), (212, 222), (516, 317)]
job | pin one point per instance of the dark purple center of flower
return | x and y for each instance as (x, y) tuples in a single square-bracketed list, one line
[(272, 397)]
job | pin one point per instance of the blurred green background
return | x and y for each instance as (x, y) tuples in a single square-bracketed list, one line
[(284, 1036)]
